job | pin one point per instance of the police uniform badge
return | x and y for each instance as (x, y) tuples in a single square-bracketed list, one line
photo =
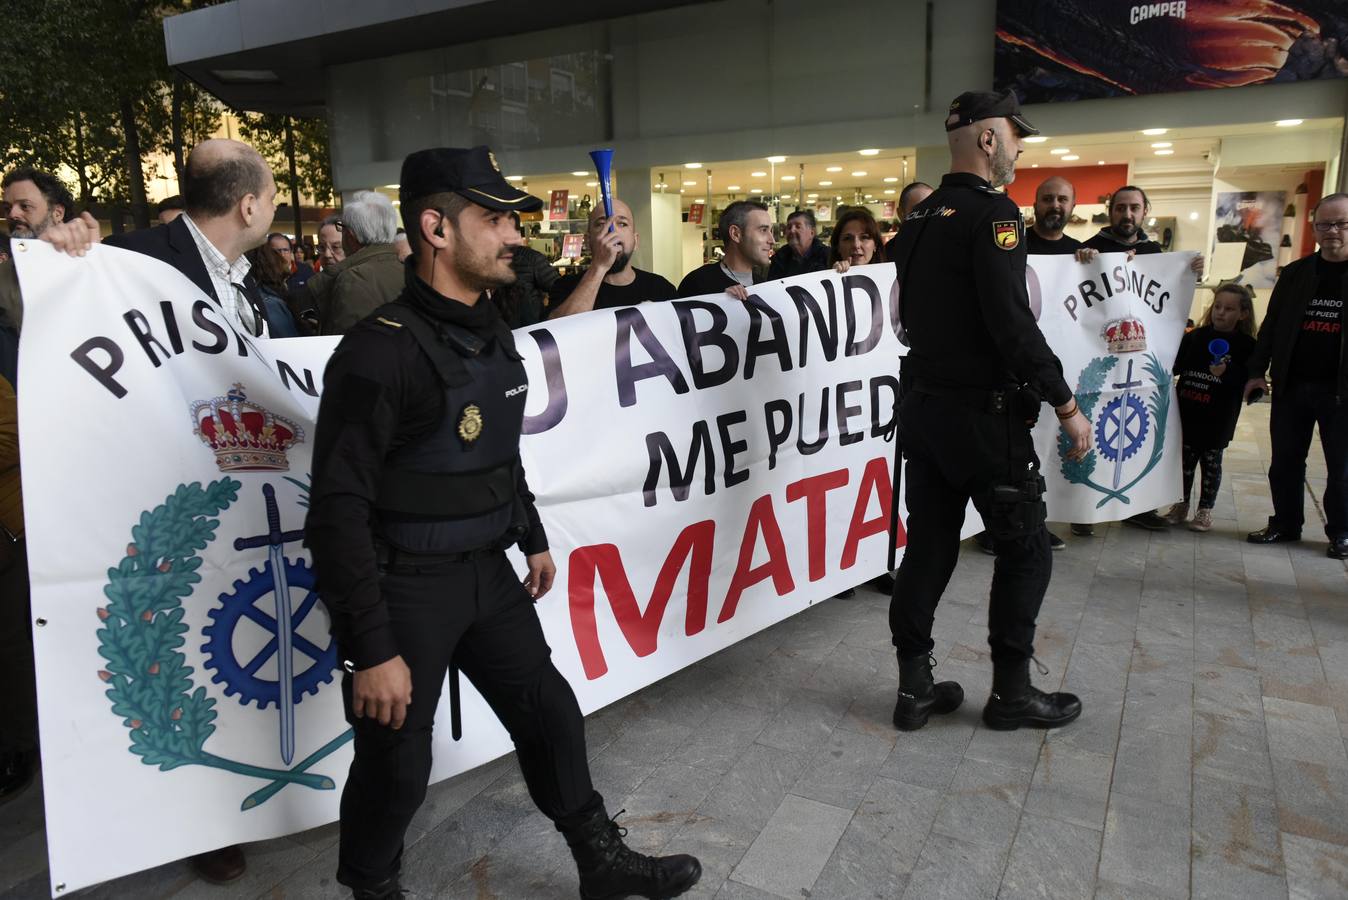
[(470, 423), (1006, 235), (492, 157)]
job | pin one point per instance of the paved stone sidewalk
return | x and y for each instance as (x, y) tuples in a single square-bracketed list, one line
[(1210, 760)]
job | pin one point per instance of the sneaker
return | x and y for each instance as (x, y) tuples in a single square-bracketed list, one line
[(1176, 514), (1055, 542), (1202, 520), (1082, 530)]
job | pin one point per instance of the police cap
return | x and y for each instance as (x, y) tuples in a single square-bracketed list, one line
[(471, 173), (973, 106)]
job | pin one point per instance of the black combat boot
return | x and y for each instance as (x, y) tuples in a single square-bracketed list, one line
[(389, 890), (919, 697), (1015, 702), (609, 869)]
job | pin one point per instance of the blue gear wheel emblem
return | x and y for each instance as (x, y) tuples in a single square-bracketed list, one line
[(1134, 422), (239, 676)]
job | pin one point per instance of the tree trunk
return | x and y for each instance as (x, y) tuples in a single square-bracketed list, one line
[(82, 164), (294, 179), (178, 139), (140, 208)]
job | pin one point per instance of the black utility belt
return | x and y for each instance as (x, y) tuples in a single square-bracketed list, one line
[(990, 400), (391, 559)]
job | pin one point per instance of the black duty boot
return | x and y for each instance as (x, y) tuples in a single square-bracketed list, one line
[(1015, 702), (609, 869), (389, 890), (919, 697)]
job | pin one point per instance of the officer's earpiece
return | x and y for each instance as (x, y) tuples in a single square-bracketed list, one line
[(440, 228)]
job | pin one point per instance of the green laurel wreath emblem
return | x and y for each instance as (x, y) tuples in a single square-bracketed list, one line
[(149, 682), (1089, 385)]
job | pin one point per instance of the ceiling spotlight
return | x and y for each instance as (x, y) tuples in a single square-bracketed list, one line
[(839, 197), (1059, 151), (1034, 165), (870, 152), (786, 196), (1153, 132), (1288, 123), (1159, 144), (826, 184), (580, 174), (514, 178), (690, 184), (732, 187), (592, 184), (1071, 157), (858, 174), (1100, 162), (776, 159), (692, 165), (755, 190), (833, 169), (870, 196), (788, 178), (758, 174), (1036, 139), (891, 180), (1165, 152), (889, 190), (1193, 216), (811, 196)]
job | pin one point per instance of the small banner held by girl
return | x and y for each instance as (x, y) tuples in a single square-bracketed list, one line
[(1116, 324)]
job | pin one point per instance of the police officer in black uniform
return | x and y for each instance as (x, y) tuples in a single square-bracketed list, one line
[(417, 491), (977, 370)]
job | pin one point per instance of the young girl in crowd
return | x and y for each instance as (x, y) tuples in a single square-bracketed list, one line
[(1211, 373)]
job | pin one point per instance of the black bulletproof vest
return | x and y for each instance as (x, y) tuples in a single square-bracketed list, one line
[(455, 488)]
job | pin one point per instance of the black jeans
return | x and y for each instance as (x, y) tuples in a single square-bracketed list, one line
[(956, 454), (18, 696), (479, 615), (1297, 410)]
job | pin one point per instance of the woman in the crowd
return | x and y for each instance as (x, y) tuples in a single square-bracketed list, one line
[(856, 240), (271, 272)]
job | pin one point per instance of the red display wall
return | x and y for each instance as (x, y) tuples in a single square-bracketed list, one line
[(1091, 182)]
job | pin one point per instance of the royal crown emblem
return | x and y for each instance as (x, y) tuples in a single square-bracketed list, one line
[(1126, 335), (245, 436)]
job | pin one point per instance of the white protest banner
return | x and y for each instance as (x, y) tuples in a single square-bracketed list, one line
[(704, 469), (1116, 325)]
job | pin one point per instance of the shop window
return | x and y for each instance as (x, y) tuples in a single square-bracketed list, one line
[(514, 83), (563, 89)]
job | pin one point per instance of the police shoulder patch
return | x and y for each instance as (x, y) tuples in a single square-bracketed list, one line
[(1006, 234)]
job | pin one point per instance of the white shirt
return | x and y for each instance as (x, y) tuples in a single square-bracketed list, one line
[(227, 277)]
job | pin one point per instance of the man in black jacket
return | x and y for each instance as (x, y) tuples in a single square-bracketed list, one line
[(230, 199), (804, 252), (418, 490), (1303, 336), (977, 371)]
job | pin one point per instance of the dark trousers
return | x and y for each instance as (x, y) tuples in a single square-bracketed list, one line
[(18, 686), (1211, 461), (955, 454), (477, 614), (1297, 410)]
